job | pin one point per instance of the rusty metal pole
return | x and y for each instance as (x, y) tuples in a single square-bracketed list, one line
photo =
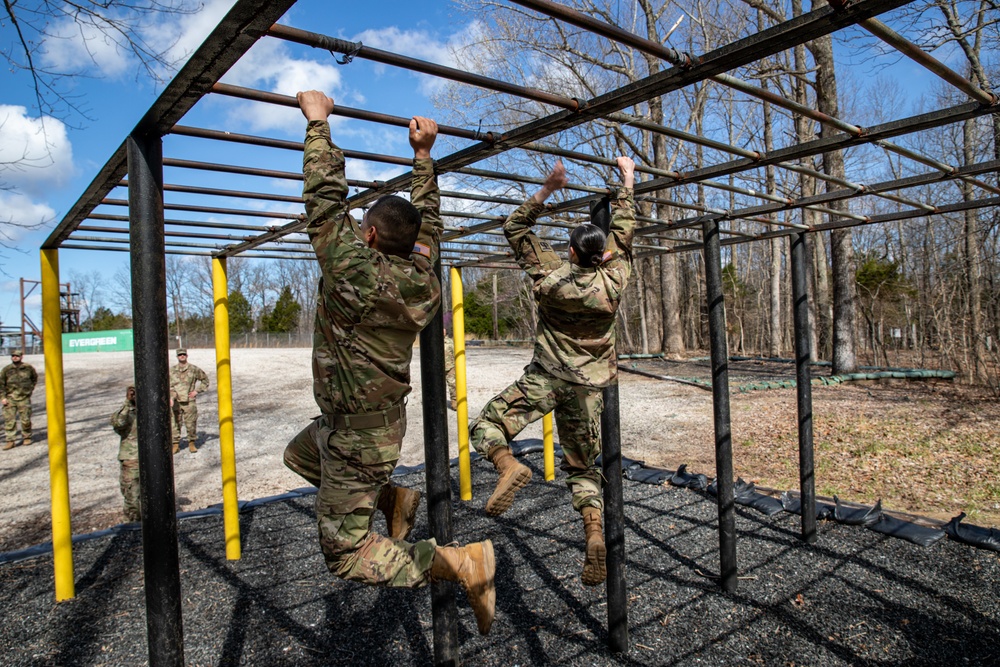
[(161, 563), (800, 316), (435, 405)]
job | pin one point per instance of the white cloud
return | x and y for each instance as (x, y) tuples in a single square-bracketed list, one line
[(18, 214), (423, 45), (82, 47), (35, 153), (269, 65)]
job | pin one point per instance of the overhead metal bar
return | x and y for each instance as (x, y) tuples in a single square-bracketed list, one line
[(574, 17), (816, 23), (226, 44), (298, 146), (835, 195), (924, 59), (345, 111), (359, 50), (185, 223)]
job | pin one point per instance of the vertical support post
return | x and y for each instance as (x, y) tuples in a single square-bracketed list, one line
[(55, 410), (462, 414), (803, 377), (24, 348), (720, 405), (161, 566), (227, 435), (548, 448), (443, 608), (614, 521)]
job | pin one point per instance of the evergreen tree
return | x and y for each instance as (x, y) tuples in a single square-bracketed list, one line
[(240, 314), (284, 317)]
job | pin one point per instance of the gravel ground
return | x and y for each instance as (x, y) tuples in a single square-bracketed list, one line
[(854, 598), (663, 423)]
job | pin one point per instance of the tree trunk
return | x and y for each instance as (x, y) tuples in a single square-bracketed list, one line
[(841, 241)]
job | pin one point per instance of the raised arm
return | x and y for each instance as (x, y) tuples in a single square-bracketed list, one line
[(324, 183), (534, 255), (424, 189), (623, 214)]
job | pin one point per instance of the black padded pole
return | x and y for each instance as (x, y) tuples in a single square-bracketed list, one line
[(614, 521), (600, 214), (720, 405), (438, 474), (164, 631), (800, 315)]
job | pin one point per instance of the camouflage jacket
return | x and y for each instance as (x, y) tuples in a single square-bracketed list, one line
[(370, 306), (123, 422), (17, 381), (185, 379), (575, 338)]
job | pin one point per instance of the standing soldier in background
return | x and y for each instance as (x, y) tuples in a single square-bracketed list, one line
[(377, 291), (123, 422), (186, 382), (17, 381)]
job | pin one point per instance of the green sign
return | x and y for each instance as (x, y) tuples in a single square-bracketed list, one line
[(117, 340)]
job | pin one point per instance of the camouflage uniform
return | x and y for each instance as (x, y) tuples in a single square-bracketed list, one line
[(17, 382), (574, 348), (371, 307), (449, 369), (123, 422), (185, 378)]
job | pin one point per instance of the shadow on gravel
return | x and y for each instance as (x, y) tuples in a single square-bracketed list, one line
[(855, 598)]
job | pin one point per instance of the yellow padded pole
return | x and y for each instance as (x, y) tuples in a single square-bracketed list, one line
[(462, 414), (548, 448), (227, 437), (55, 410)]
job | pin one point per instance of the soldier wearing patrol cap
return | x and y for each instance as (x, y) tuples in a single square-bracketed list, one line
[(377, 290), (17, 382), (574, 356), (186, 382)]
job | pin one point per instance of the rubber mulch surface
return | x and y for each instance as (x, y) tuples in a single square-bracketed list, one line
[(854, 598)]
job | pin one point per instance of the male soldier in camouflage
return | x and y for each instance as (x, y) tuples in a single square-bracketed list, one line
[(449, 371), (574, 356), (123, 422), (186, 382), (17, 381), (377, 290)]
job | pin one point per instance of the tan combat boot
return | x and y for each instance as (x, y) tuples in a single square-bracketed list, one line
[(595, 568), (9, 445), (473, 566), (27, 441), (192, 448), (400, 508), (177, 447), (513, 477)]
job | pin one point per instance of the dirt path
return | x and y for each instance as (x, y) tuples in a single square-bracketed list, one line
[(272, 402), (925, 448)]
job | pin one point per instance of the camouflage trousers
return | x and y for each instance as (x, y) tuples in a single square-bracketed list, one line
[(351, 467), (578, 419), (13, 411), (128, 481), (186, 414)]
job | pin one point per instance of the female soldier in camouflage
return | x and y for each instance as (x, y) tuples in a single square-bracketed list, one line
[(574, 355)]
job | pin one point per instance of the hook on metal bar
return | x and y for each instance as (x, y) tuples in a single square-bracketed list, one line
[(348, 55)]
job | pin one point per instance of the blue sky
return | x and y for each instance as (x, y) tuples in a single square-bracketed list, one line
[(116, 98)]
